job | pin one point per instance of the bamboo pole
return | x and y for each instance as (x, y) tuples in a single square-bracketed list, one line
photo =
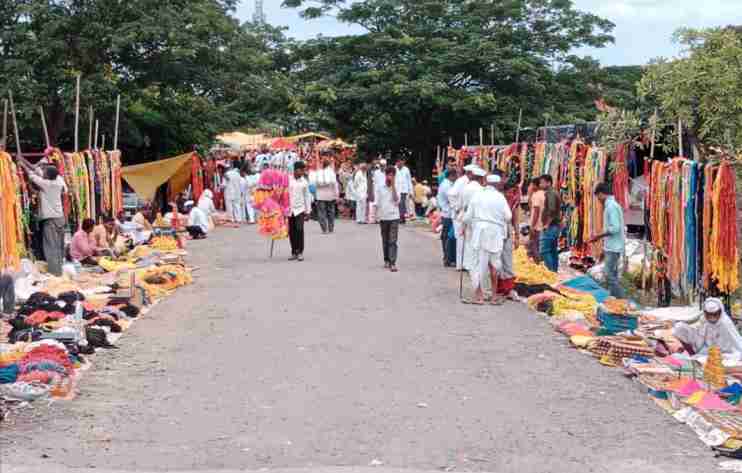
[(680, 138), (520, 122), (19, 152), (4, 143), (481, 137), (492, 134), (466, 140), (95, 144), (77, 115), (116, 129), (644, 243), (450, 142), (103, 141), (43, 125), (91, 115)]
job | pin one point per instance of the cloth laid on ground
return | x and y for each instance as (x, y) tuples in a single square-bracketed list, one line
[(587, 284)]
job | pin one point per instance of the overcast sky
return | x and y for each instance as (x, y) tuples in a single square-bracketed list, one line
[(643, 27)]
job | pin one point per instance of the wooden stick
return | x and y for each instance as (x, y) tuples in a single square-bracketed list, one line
[(4, 143), (680, 137), (481, 137), (654, 134), (77, 116), (91, 114), (19, 152), (43, 125), (450, 142), (520, 122), (95, 144), (466, 140), (116, 129), (103, 140), (492, 134)]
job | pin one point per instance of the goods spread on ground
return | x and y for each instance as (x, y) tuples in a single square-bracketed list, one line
[(61, 322), (702, 391)]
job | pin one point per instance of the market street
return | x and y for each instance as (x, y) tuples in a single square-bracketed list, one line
[(334, 362)]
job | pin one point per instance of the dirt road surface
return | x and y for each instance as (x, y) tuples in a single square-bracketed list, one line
[(335, 365)]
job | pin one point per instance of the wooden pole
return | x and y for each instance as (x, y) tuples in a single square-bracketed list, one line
[(520, 122), (450, 142), (95, 144), (5, 124), (466, 140), (91, 115), (77, 115), (43, 125), (645, 245), (103, 141), (492, 134), (19, 152), (654, 134), (116, 129), (680, 138)]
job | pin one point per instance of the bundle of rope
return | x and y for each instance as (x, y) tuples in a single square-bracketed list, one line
[(724, 254), (12, 236)]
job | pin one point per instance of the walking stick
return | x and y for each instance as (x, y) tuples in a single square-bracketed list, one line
[(273, 243)]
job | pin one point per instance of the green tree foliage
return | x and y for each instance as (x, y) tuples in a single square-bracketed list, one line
[(428, 69), (704, 88), (186, 69)]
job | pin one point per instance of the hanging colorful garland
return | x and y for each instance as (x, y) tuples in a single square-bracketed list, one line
[(723, 245), (12, 228)]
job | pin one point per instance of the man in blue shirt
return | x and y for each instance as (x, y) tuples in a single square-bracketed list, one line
[(614, 236), (448, 237)]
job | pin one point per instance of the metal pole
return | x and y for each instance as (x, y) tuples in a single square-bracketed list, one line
[(43, 124), (116, 130), (77, 116)]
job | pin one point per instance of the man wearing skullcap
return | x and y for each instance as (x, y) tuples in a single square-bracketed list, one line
[(715, 329)]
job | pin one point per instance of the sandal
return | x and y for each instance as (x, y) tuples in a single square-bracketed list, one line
[(472, 302)]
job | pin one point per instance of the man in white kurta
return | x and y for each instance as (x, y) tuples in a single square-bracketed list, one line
[(360, 191), (488, 217), (233, 194), (471, 189), (457, 212)]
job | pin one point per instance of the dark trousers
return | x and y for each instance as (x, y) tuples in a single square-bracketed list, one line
[(296, 234), (196, 232), (448, 242), (326, 215), (403, 208), (7, 294), (52, 230), (389, 235), (419, 210)]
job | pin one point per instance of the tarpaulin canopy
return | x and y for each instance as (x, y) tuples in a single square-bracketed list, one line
[(146, 178), (239, 140), (307, 136), (336, 143), (282, 143)]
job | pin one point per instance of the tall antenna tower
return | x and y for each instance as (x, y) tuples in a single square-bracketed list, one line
[(259, 15)]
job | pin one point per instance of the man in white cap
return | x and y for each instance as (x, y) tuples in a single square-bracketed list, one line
[(715, 329), (457, 212), (474, 187), (487, 219)]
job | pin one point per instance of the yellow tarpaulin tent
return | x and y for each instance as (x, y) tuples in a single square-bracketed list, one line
[(241, 140), (146, 178)]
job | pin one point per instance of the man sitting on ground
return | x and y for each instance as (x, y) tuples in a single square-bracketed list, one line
[(198, 222), (82, 249)]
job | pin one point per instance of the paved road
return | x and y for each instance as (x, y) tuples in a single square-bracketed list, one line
[(267, 364)]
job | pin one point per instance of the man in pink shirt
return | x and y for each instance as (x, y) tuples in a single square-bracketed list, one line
[(81, 248)]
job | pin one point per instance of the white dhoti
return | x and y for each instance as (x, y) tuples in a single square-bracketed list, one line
[(470, 253), (249, 211), (233, 208), (361, 210), (480, 274), (458, 231)]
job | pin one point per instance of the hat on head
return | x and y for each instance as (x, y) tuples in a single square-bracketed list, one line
[(479, 172), (494, 179), (713, 305), (469, 167), (190, 203)]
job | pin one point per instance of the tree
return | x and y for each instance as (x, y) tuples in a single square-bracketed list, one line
[(703, 88), (426, 70), (186, 69)]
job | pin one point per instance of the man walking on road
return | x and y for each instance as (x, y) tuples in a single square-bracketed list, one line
[(448, 237), (327, 196), (403, 183), (471, 189), (387, 211), (360, 188), (233, 194), (457, 211), (614, 238), (487, 219), (300, 203)]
